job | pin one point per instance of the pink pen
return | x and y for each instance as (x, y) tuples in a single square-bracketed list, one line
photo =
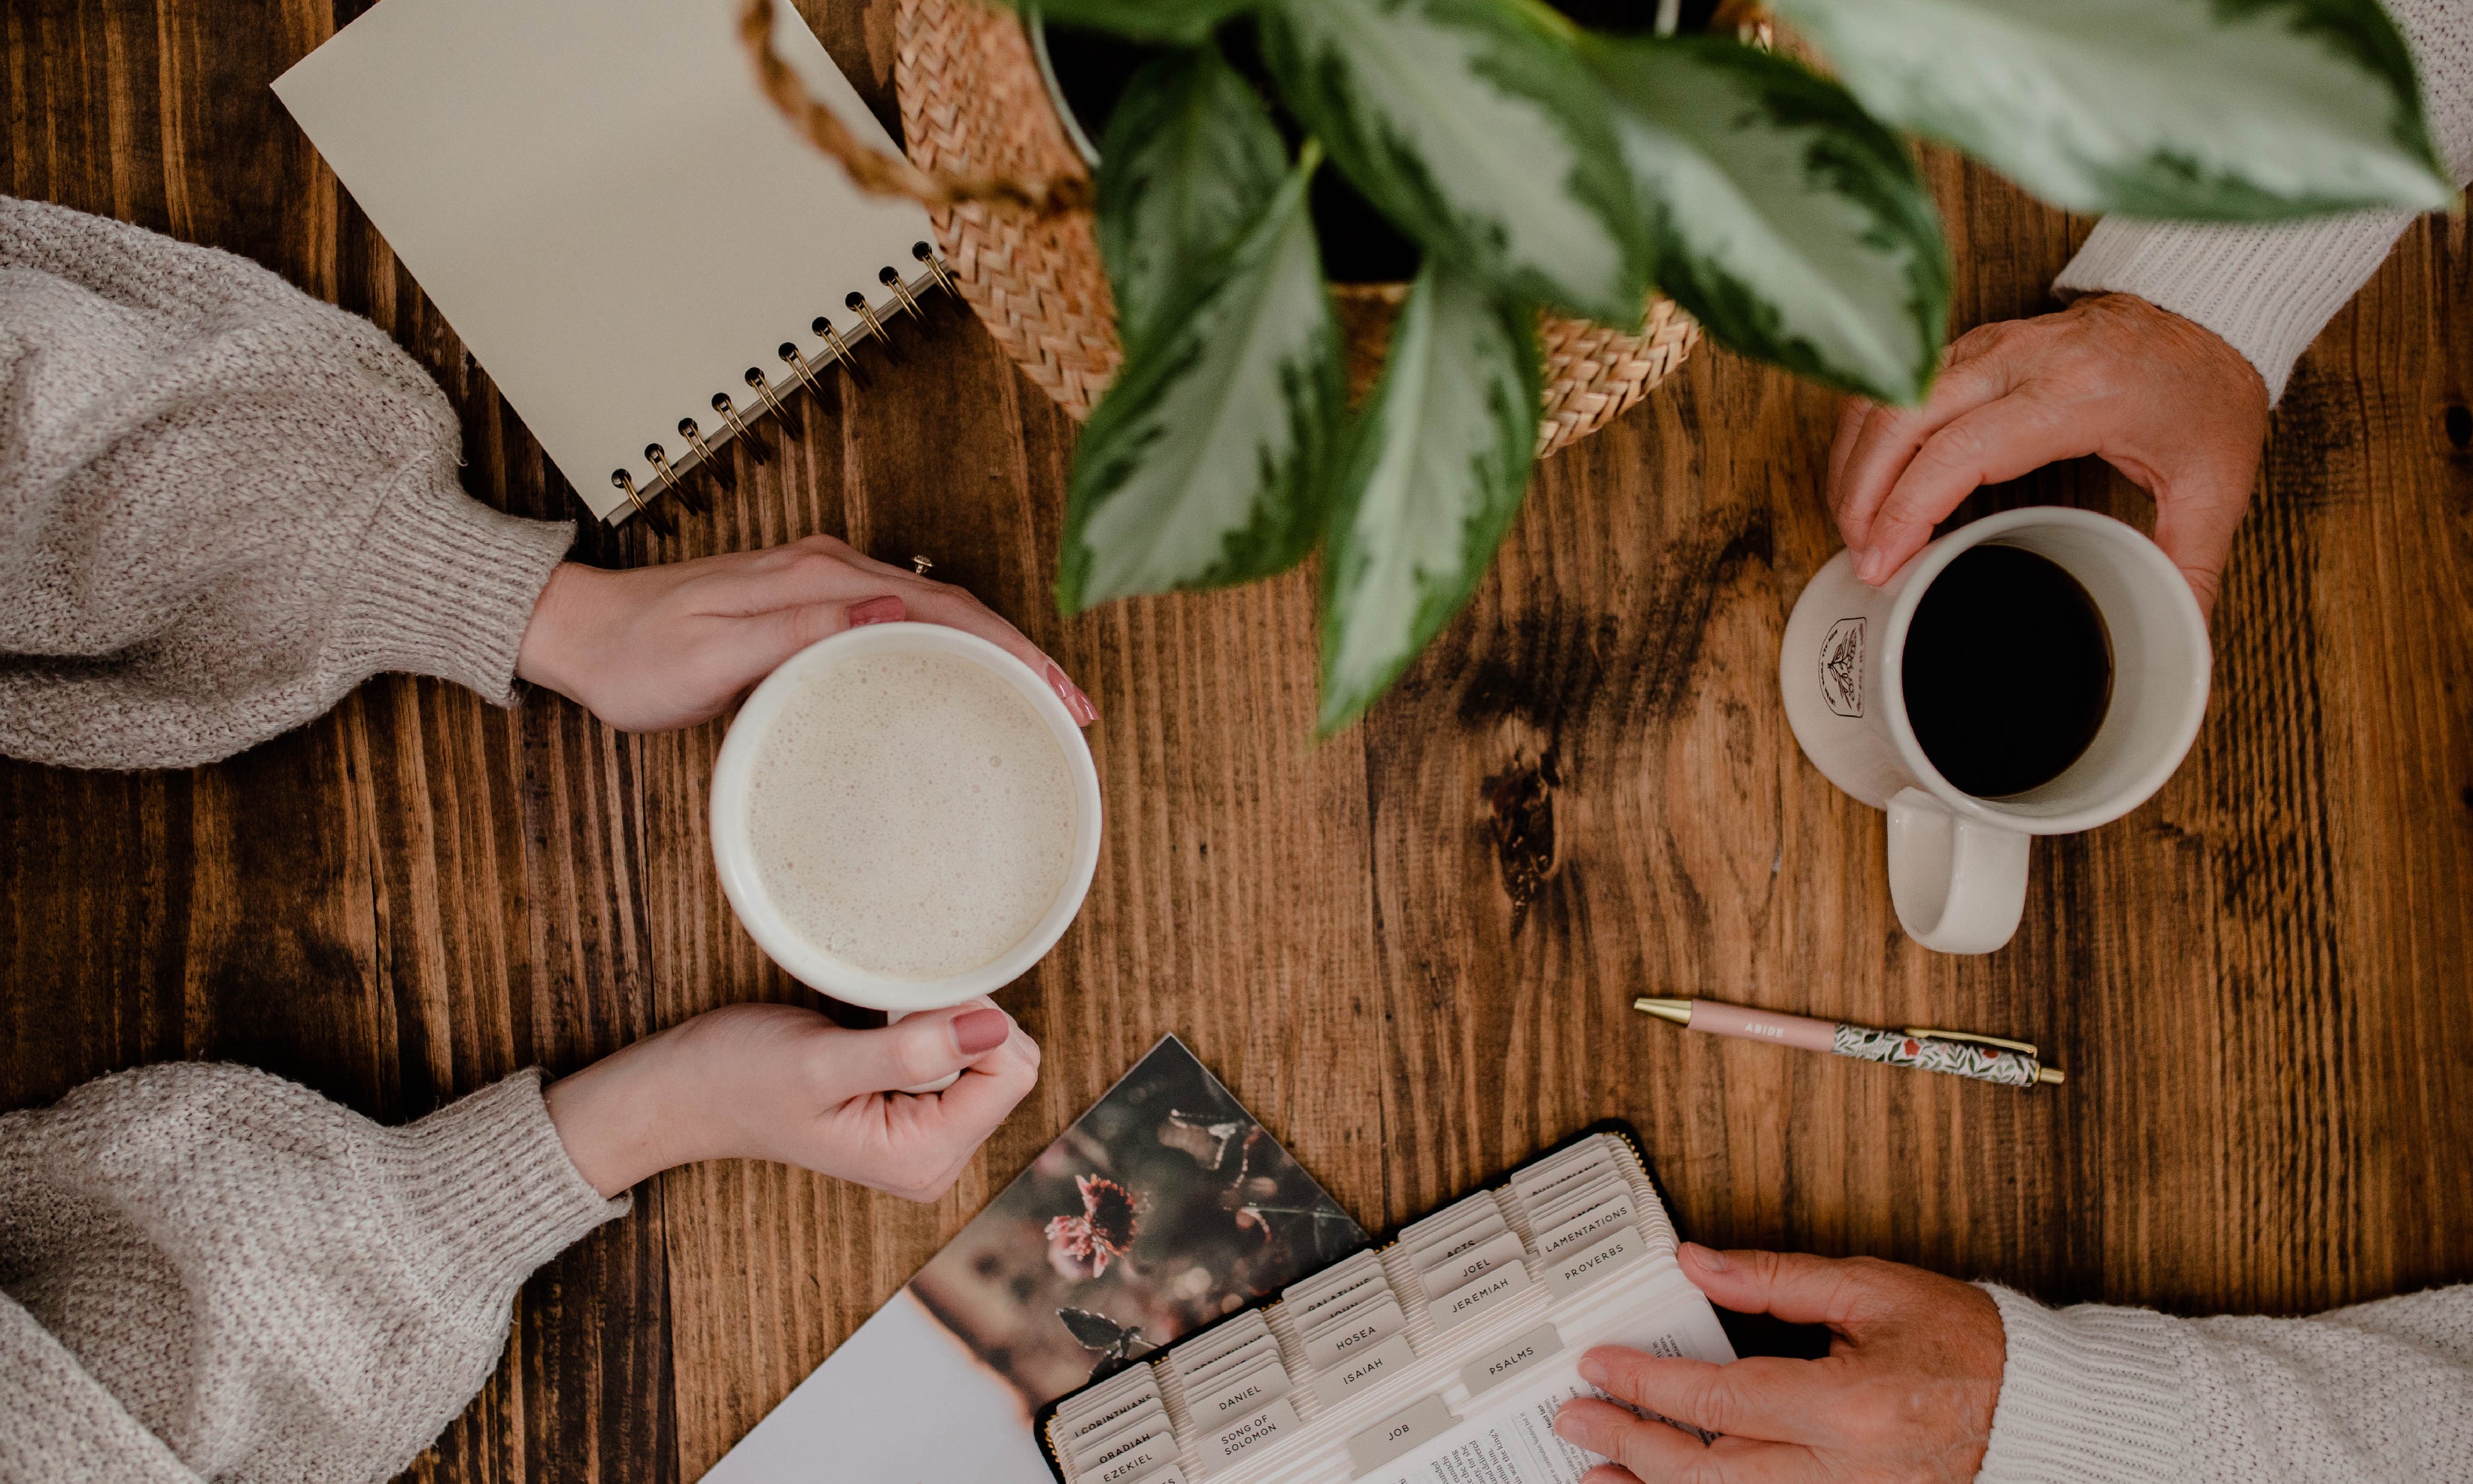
[(1986, 1058)]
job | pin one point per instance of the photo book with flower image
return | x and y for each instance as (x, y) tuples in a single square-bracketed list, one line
[(1164, 1208)]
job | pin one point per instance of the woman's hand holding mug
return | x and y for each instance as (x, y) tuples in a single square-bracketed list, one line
[(2162, 399), (649, 649), (776, 1082)]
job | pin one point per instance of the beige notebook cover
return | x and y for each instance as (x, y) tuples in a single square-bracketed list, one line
[(594, 192)]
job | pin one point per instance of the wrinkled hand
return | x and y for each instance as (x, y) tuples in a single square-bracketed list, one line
[(775, 1081), (2164, 400), (648, 649), (1906, 1392)]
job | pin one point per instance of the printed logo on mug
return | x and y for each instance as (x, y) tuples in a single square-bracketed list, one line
[(2039, 672), (1841, 668)]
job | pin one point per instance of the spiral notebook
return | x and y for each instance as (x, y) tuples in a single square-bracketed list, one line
[(1439, 1357), (644, 255)]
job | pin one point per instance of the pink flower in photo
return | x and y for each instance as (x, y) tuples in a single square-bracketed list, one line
[(1083, 1246)]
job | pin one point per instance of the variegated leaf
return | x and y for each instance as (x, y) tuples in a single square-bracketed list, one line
[(1435, 471), (1189, 161), (1173, 21), (1474, 126), (2220, 109), (1794, 229), (1199, 466)]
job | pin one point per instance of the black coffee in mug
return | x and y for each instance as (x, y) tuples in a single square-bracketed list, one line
[(2009, 670)]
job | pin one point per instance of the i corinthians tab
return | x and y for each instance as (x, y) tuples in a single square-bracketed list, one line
[(698, 446)]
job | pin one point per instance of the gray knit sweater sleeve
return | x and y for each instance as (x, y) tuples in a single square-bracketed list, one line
[(223, 505), (2269, 289), (207, 1271), (2098, 1395)]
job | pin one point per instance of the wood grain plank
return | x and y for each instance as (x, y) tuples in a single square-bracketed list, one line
[(1409, 949)]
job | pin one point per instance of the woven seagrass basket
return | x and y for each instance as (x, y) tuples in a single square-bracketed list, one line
[(974, 104)]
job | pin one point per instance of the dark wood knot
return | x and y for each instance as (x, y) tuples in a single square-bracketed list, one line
[(1521, 805)]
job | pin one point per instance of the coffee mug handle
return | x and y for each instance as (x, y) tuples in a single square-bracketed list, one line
[(1959, 885)]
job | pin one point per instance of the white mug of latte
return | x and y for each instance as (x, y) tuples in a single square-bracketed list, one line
[(905, 817)]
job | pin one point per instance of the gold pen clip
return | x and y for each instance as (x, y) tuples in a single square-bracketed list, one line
[(2022, 1047)]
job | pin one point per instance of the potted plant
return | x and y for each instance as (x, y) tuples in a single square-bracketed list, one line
[(1542, 168)]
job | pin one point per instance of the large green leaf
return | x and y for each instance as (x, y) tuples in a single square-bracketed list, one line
[(1434, 473), (1189, 162), (1475, 127), (1199, 467), (1174, 21), (2220, 109), (1792, 226)]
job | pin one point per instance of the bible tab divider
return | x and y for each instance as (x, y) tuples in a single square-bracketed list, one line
[(616, 223), (1482, 1349)]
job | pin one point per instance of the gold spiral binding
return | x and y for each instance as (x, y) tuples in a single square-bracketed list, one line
[(728, 409), (693, 499), (763, 386), (626, 483), (844, 348), (840, 347), (891, 278), (935, 266), (720, 471), (807, 372), (867, 316)]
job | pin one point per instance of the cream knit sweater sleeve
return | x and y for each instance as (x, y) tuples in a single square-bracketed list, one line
[(2098, 1395), (208, 1272), (2269, 290), (223, 505)]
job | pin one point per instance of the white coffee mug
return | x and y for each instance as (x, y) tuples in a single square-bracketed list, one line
[(1957, 864), (735, 855)]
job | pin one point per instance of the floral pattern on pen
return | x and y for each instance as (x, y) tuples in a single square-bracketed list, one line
[(1925, 1054)]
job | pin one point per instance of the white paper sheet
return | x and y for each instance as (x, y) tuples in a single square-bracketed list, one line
[(902, 1401)]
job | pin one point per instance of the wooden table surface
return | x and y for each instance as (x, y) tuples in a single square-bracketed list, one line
[(1410, 949)]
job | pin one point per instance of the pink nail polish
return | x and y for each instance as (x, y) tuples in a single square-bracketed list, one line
[(886, 609), (981, 1030), (1077, 705)]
